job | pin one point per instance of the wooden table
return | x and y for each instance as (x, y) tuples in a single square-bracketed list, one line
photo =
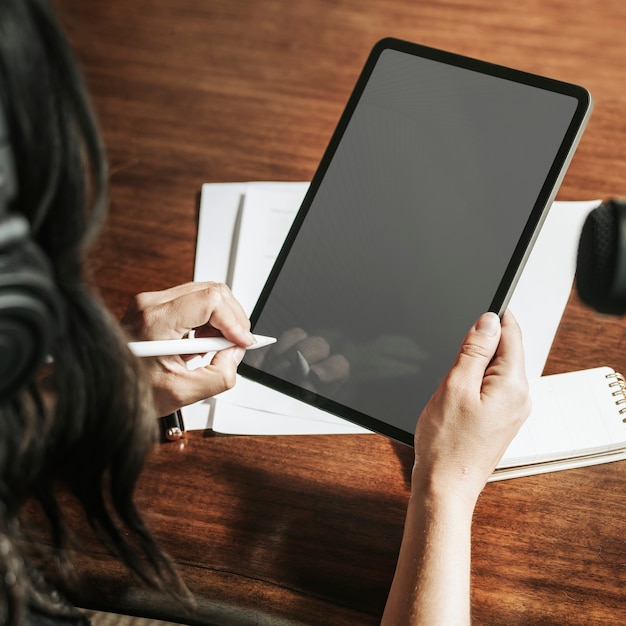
[(306, 529)]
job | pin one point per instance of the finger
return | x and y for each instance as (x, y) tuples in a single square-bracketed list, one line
[(477, 351), (155, 298), (508, 366), (177, 387), (171, 293), (256, 358), (195, 307), (214, 306), (217, 377), (510, 351)]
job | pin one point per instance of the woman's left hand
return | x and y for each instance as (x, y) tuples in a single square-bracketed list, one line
[(208, 309)]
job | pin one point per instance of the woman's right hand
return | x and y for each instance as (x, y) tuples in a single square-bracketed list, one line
[(476, 411)]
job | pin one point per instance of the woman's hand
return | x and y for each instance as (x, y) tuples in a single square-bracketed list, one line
[(208, 309), (459, 439), (476, 411)]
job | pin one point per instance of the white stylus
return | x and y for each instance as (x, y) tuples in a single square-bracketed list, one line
[(197, 345)]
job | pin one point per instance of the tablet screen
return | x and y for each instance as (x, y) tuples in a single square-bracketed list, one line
[(419, 219)]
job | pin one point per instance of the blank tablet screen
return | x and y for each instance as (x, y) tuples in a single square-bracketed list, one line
[(418, 220)]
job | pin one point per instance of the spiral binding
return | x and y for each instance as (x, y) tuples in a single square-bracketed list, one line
[(620, 392)]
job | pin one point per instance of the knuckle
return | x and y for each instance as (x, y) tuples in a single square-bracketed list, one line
[(141, 318), (135, 306), (456, 389), (219, 290), (140, 300), (476, 350), (148, 317), (145, 300), (215, 295)]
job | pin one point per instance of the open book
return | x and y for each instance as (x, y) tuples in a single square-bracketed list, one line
[(241, 229)]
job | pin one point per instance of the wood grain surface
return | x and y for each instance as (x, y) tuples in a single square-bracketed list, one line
[(305, 530)]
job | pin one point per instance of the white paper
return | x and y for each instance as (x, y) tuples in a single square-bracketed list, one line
[(223, 206), (227, 212), (545, 285), (267, 215)]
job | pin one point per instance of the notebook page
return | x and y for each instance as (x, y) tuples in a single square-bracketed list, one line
[(219, 207), (573, 414), (268, 213)]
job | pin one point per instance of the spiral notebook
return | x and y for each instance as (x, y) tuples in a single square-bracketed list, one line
[(577, 419)]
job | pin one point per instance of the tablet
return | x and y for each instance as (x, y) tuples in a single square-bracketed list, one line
[(420, 217)]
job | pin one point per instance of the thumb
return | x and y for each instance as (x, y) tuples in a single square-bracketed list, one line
[(220, 375), (229, 359), (479, 347)]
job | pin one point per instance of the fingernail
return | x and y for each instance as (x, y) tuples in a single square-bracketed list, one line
[(238, 354), (251, 339), (488, 324)]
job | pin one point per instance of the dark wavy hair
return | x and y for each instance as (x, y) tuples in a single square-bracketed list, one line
[(93, 437)]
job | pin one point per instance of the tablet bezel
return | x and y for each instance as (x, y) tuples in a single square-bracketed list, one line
[(524, 246)]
